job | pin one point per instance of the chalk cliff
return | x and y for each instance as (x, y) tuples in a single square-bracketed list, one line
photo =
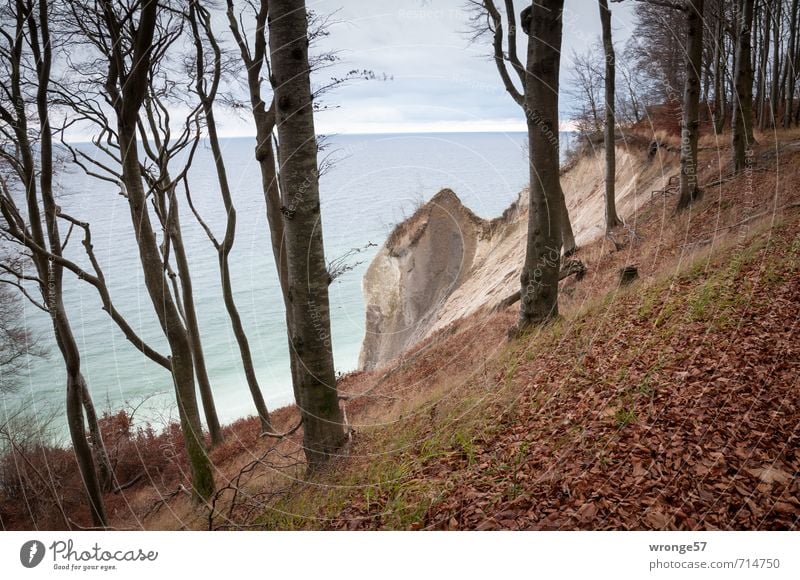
[(444, 262)]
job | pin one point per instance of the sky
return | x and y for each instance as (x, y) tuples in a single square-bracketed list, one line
[(438, 80)]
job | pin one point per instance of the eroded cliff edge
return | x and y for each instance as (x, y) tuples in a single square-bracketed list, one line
[(444, 262)]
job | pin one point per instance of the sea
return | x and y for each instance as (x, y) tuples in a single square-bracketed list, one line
[(370, 184)]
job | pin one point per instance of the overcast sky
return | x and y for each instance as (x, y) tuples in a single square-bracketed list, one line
[(439, 80)]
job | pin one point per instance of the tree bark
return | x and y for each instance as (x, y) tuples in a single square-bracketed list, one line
[(105, 473), (264, 119), (743, 104), (612, 219), (192, 325), (310, 332), (539, 278), (689, 187), (500, 57)]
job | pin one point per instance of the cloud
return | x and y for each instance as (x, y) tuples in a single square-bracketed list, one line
[(441, 81)]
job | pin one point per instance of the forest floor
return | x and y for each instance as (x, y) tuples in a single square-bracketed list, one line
[(669, 403)]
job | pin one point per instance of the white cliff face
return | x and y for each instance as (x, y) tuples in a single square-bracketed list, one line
[(444, 262), (423, 262)]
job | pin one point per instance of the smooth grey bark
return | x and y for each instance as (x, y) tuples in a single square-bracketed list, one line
[(200, 18), (309, 332), (126, 90), (689, 187), (742, 125), (539, 278), (612, 219)]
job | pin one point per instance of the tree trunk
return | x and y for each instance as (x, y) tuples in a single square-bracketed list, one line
[(612, 219), (167, 312), (775, 9), (789, 69), (719, 79), (762, 71), (743, 104), (539, 278), (105, 473), (796, 67), (264, 119), (127, 92), (49, 272), (192, 325), (689, 187), (567, 235), (310, 332)]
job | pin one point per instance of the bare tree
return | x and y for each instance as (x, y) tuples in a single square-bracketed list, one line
[(719, 65), (742, 125), (689, 185), (27, 56), (164, 149), (658, 46), (17, 344), (129, 40), (612, 219), (501, 27), (308, 278), (539, 278), (790, 66), (585, 86), (206, 86)]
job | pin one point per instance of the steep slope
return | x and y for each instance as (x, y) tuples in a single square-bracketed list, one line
[(673, 405), (444, 263), (668, 404)]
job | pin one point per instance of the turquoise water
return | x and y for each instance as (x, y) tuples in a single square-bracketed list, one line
[(376, 182)]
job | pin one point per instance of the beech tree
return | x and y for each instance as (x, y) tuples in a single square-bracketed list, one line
[(540, 273), (26, 148), (791, 65), (612, 219), (307, 273), (689, 189), (208, 71), (488, 20), (689, 186), (742, 124), (130, 39)]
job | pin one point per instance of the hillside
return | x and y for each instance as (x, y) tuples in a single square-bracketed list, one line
[(671, 403)]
